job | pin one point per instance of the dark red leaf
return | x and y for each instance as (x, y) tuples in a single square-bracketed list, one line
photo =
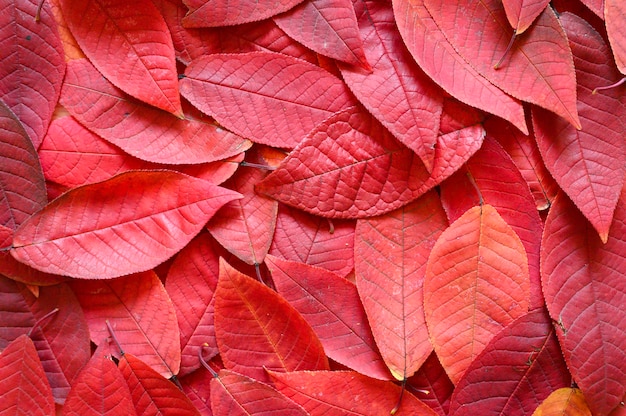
[(270, 98), (256, 329), (346, 168), (432, 386), (395, 91), (390, 265), (212, 13), (331, 305), (31, 64), (136, 221), (128, 41)]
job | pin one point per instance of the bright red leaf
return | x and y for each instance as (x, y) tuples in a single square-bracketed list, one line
[(390, 264), (615, 18), (396, 91), (476, 283), (31, 64), (584, 289), (256, 329), (347, 168), (267, 97), (331, 305), (522, 13), (211, 13), (128, 41), (137, 220), (23, 385), (588, 164), (141, 315)]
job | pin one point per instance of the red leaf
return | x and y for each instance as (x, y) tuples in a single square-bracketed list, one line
[(151, 393), (522, 13), (302, 237), (197, 387), (338, 393), (331, 305), (31, 64), (490, 176), (270, 98), (346, 168), (328, 27), (432, 385), (257, 329), (136, 221), (22, 185), (23, 385), (476, 283), (191, 284), (395, 91), (588, 164), (432, 51), (139, 130), (390, 267), (515, 372), (234, 394), (584, 289), (128, 41), (99, 389), (211, 13), (141, 314), (537, 69), (615, 19)]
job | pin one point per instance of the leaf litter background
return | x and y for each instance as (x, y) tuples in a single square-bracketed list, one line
[(312, 207)]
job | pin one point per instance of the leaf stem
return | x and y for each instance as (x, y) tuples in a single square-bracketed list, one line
[(506, 52), (204, 363), (117, 341), (397, 407), (608, 87), (256, 165), (40, 320)]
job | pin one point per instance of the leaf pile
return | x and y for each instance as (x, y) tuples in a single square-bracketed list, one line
[(232, 207)]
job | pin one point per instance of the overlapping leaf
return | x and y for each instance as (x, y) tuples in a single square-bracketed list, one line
[(392, 251), (141, 315), (267, 97), (31, 64), (256, 329), (588, 164), (347, 168), (433, 52), (584, 289), (128, 41), (476, 283), (522, 13), (137, 220), (395, 91), (614, 16), (432, 386), (211, 13), (564, 401), (139, 130)]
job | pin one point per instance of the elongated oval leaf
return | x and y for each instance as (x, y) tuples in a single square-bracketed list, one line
[(390, 264), (128, 41), (31, 64), (211, 13), (584, 286), (476, 283), (361, 179), (136, 221), (256, 329), (267, 97), (140, 313), (588, 164)]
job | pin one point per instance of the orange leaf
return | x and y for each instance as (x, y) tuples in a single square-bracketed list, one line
[(564, 402)]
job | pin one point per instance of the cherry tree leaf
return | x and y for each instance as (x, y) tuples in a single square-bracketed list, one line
[(517, 370), (564, 401), (522, 13), (99, 389), (614, 12), (22, 185), (139, 130), (137, 220), (476, 283), (300, 236), (346, 168), (140, 313), (432, 386), (256, 329), (329, 27), (23, 385), (584, 289), (538, 68), (392, 251), (395, 90), (331, 305), (197, 387), (129, 43), (268, 97), (31, 64), (588, 164), (433, 52), (212, 13)]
